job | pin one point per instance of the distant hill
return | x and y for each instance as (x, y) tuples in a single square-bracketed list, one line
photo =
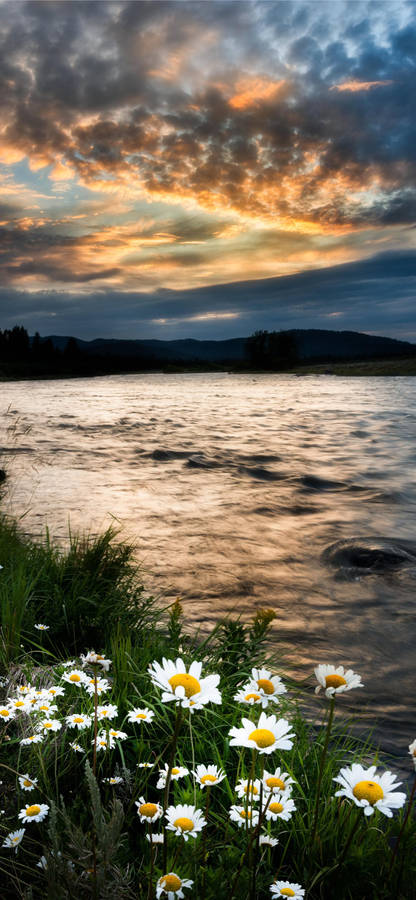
[(311, 344)]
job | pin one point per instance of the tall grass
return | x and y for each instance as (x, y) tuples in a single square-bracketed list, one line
[(91, 595)]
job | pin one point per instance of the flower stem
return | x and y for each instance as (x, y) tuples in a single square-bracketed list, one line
[(409, 807), (321, 769), (204, 845), (178, 722), (350, 839)]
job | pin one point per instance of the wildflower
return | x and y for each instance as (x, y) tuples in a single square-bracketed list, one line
[(185, 821), (268, 686), (115, 779), (45, 707), (107, 711), (176, 772), (76, 747), (18, 704), (279, 808), (96, 659), (208, 776), (370, 791), (265, 840), (148, 812), (35, 813), (241, 815), (99, 685), (172, 885), (26, 783), (78, 720), (104, 742), (412, 751), (69, 664), (118, 735), (336, 680), (32, 739), (140, 715), (154, 838), (241, 789), (42, 627), (6, 713), (56, 690), (249, 695), (145, 765), (47, 725), (186, 688), (14, 839), (24, 689), (75, 676), (270, 734), (287, 889), (277, 782)]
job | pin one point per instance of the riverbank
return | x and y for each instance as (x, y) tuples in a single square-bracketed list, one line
[(92, 595)]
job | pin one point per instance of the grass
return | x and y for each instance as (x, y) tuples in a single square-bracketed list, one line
[(92, 595)]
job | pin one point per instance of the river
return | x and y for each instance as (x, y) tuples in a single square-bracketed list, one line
[(244, 491)]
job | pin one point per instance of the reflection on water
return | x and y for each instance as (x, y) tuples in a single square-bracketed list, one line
[(238, 490)]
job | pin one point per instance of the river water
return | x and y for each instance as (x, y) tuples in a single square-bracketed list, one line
[(243, 491)]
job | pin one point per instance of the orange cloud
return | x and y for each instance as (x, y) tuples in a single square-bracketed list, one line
[(251, 91), (354, 86)]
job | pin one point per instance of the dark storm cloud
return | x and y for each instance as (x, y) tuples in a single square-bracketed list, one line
[(146, 92), (376, 295)]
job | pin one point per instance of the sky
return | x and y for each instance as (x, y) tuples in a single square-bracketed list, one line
[(205, 169)]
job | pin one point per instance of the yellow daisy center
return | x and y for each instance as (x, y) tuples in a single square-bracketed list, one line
[(74, 677), (27, 783), (265, 685), (16, 839), (33, 810), (5, 713), (78, 720), (252, 697), (190, 684), (276, 807), (175, 771), (287, 892), (103, 712), (171, 883), (244, 814), (208, 778), (253, 789), (44, 707), (263, 737), (18, 703), (148, 809), (47, 724), (334, 681), (368, 790), (52, 691), (184, 824), (140, 715), (274, 782)]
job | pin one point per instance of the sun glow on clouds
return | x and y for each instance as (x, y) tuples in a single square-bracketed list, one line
[(354, 86)]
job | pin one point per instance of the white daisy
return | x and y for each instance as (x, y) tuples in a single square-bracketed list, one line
[(78, 720), (172, 885), (269, 686), (154, 838), (104, 741), (118, 735), (249, 695), (269, 735), (185, 821), (177, 772), (40, 627), (45, 707), (32, 739), (114, 779), (412, 751), (107, 711), (101, 685), (277, 782), (336, 680), (14, 839), (76, 747), (208, 776), (24, 689), (96, 659), (6, 713), (69, 664), (287, 889), (370, 791), (148, 812), (46, 725), (186, 688), (18, 704), (27, 783), (265, 840), (241, 815), (75, 676), (55, 690), (241, 789), (140, 715), (279, 808), (145, 765), (36, 812)]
